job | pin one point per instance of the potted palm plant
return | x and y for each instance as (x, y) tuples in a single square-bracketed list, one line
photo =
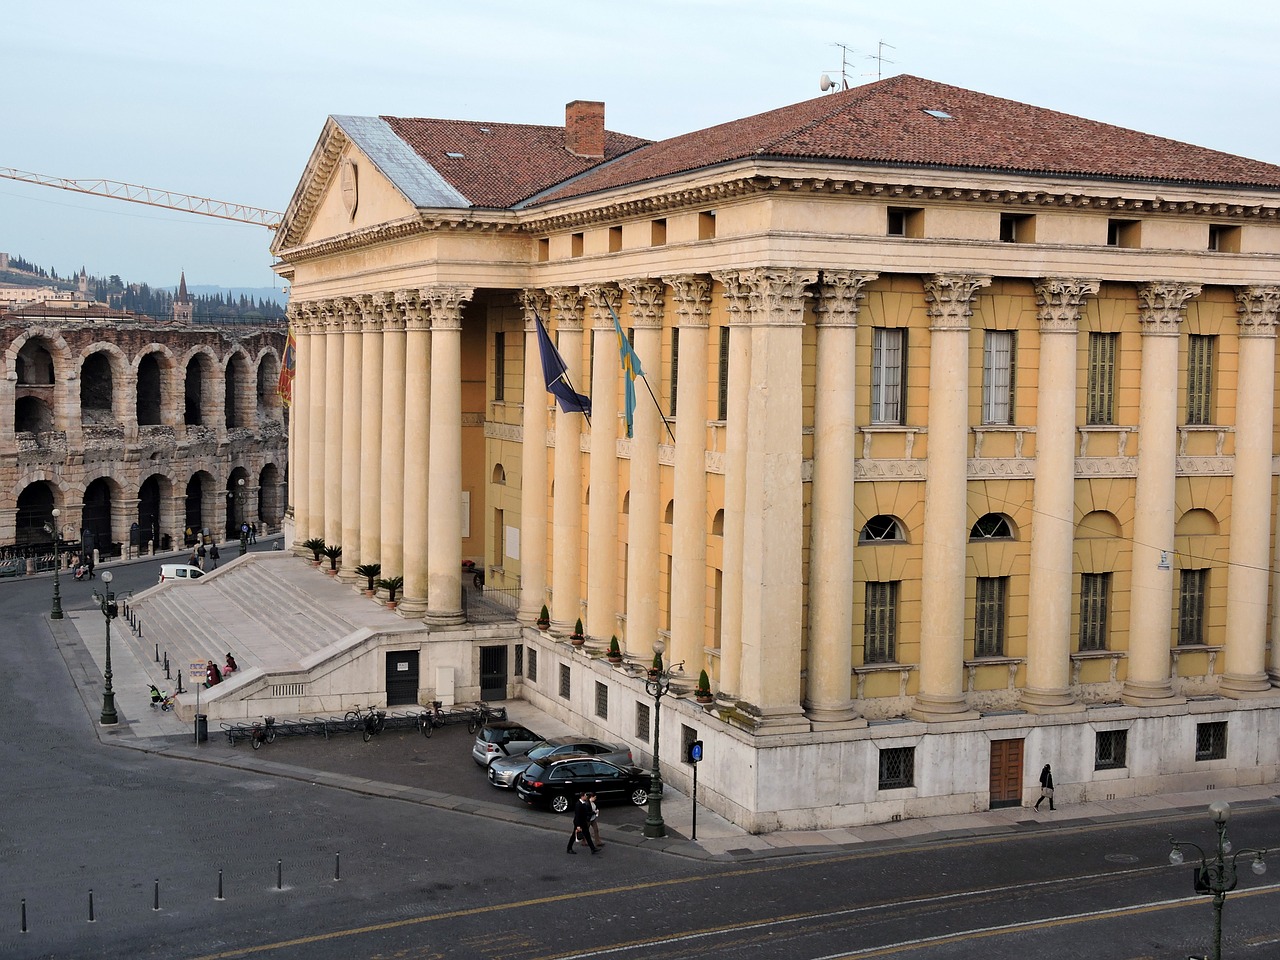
[(577, 638), (370, 572), (702, 692), (615, 652), (316, 546), (333, 553), (393, 586)]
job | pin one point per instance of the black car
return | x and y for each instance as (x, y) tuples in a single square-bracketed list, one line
[(556, 781)]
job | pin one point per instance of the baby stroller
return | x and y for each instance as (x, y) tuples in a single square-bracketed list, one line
[(161, 700), (81, 571)]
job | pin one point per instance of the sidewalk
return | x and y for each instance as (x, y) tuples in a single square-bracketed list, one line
[(156, 731)]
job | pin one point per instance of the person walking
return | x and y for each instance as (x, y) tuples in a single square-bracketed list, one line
[(200, 555), (214, 555), (1046, 788), (593, 802), (581, 825)]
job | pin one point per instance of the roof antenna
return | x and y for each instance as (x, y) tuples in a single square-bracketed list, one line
[(825, 82), (880, 58)]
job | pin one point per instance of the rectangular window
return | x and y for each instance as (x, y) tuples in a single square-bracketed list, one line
[(1200, 379), (1192, 590), (1101, 378), (675, 366), (1124, 233), (998, 353), (657, 233), (897, 768), (888, 374), (722, 391), (1095, 595), (707, 225), (642, 722), (1111, 749), (544, 249), (989, 617), (564, 680), (532, 672), (602, 701), (575, 245), (1211, 740), (615, 239), (499, 366), (880, 627), (905, 222), (518, 669), (1224, 238), (1017, 228)]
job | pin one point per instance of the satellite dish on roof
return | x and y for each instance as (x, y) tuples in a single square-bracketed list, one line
[(825, 83)]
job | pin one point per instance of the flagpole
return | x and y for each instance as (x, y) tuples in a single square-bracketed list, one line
[(661, 415)]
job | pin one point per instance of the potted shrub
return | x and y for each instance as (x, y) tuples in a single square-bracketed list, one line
[(615, 652), (333, 553), (544, 618), (702, 692), (576, 638), (655, 668), (370, 572), (392, 585), (316, 546)]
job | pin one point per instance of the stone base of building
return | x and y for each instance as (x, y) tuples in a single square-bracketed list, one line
[(1049, 701), (934, 708), (1146, 693)]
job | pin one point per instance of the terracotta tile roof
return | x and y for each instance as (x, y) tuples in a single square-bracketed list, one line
[(500, 163), (885, 123)]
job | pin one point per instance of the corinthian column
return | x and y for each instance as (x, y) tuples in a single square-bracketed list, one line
[(333, 396), (940, 696), (566, 582), (417, 438), (533, 466), (352, 412), (691, 300), (393, 308), (1053, 534), (315, 434), (1162, 309), (1250, 549), (773, 502), (444, 513), (300, 426), (738, 304), (831, 525), (371, 382), (643, 520), (602, 510)]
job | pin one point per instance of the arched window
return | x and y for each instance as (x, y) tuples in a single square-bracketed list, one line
[(882, 528), (993, 526)]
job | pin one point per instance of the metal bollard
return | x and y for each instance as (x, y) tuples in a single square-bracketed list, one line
[(219, 896), (180, 690), (166, 666), (158, 653), (279, 874), (91, 904), (156, 903), (337, 866), (24, 914)]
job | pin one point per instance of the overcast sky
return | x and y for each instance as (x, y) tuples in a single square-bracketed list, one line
[(225, 99)]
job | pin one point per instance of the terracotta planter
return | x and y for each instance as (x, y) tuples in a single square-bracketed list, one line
[(331, 573), (704, 697), (543, 624), (391, 604), (615, 660), (577, 641), (368, 593)]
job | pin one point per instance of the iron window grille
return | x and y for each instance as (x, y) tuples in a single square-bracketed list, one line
[(642, 722), (602, 701), (1095, 597), (564, 680), (1111, 749), (533, 665), (897, 768), (1211, 740), (519, 666)]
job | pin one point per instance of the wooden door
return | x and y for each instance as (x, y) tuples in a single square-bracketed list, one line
[(1006, 773)]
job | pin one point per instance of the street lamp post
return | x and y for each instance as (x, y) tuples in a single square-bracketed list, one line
[(1216, 874), (107, 600), (52, 529), (658, 685)]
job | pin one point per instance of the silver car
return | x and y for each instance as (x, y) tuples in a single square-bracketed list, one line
[(504, 770)]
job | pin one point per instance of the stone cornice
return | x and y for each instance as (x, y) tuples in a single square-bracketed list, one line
[(646, 299), (1059, 301), (840, 297), (1257, 309), (1163, 306), (949, 300)]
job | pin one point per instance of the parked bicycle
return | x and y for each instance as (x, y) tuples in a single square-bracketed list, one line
[(482, 714), (354, 719), (264, 732), (375, 722), (429, 719)]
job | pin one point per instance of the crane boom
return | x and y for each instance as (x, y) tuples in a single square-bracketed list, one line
[(150, 196)]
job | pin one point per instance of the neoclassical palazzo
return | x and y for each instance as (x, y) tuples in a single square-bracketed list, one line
[(949, 459)]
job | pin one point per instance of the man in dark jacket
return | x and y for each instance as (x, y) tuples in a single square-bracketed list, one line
[(582, 824)]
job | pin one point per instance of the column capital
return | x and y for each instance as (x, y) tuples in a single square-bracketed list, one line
[(1257, 307), (410, 306), (840, 297), (566, 304), (646, 299), (949, 299), (1162, 306), (1059, 301), (534, 303), (736, 296), (600, 297), (293, 313), (778, 294), (349, 312), (691, 297), (444, 304)]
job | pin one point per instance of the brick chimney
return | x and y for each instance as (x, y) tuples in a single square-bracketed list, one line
[(584, 128)]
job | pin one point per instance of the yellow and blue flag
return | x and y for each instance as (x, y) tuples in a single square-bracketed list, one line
[(630, 368)]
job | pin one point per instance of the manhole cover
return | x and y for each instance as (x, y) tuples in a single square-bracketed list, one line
[(1121, 858)]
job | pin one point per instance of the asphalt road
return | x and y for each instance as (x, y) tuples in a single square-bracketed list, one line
[(423, 882)]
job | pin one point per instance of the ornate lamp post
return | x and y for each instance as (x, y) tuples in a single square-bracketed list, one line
[(658, 686), (107, 600), (51, 528), (1216, 874)]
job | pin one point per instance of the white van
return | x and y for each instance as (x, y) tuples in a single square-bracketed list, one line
[(180, 572)]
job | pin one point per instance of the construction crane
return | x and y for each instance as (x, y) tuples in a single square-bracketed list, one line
[(150, 196)]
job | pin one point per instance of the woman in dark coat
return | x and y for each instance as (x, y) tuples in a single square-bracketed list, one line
[(1046, 788)]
